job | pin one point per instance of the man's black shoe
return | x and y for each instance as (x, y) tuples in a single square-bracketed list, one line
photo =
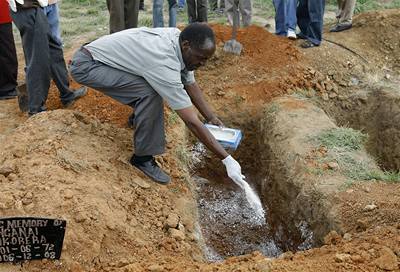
[(338, 28), (82, 91), (152, 170), (8, 95)]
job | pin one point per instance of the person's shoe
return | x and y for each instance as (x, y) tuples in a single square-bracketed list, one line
[(152, 170), (307, 44), (339, 27), (291, 34), (82, 91), (22, 93), (301, 36), (8, 95)]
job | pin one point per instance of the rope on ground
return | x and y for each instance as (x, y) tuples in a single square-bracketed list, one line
[(349, 49)]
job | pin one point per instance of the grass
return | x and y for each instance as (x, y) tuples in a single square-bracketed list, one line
[(346, 139), (368, 5), (342, 145)]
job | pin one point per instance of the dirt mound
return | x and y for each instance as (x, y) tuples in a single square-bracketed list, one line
[(64, 164)]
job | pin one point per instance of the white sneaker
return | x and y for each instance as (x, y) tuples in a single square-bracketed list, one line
[(291, 34)]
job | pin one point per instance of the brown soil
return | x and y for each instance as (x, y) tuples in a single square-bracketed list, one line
[(66, 164)]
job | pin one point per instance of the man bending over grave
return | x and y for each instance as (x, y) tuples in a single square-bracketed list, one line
[(142, 67)]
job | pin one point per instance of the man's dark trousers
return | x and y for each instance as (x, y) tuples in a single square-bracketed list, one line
[(123, 14), (8, 60), (130, 90), (43, 58), (197, 10), (310, 15)]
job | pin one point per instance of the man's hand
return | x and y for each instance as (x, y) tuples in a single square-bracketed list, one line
[(215, 121), (234, 170)]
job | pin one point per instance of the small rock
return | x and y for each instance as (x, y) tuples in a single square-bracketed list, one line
[(367, 189), (68, 194), (172, 221), (362, 225), (347, 237), (341, 258), (387, 260), (357, 259), (155, 268), (325, 97), (332, 95), (333, 165), (370, 207), (3, 178), (6, 170), (264, 266), (387, 76), (332, 238), (221, 93), (12, 177), (80, 217), (141, 183), (349, 191), (177, 234)]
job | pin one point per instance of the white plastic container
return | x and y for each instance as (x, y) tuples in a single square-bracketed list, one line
[(227, 137)]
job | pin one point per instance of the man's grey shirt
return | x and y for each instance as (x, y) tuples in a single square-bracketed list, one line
[(152, 53)]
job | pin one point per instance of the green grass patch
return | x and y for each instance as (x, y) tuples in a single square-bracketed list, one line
[(346, 139)]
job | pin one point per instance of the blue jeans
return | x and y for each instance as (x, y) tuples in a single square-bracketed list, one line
[(310, 18), (158, 19), (285, 16), (52, 14)]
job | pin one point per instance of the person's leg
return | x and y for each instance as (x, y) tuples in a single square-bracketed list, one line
[(33, 27), (245, 11), (213, 5), (117, 19), (8, 62), (291, 19), (192, 11), (141, 5), (53, 18), (316, 10), (201, 10), (346, 17), (130, 90), (181, 4), (172, 7), (158, 17), (131, 13), (229, 10), (280, 17), (303, 18)]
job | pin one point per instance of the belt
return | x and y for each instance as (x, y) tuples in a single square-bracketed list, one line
[(86, 52)]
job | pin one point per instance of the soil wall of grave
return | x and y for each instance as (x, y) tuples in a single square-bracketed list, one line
[(294, 193)]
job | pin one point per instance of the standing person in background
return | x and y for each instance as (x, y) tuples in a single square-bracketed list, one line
[(123, 14), (141, 5), (285, 18), (158, 18), (217, 6), (243, 7), (44, 57), (8, 56), (197, 11), (344, 15), (310, 15)]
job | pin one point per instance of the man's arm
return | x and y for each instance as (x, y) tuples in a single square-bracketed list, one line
[(189, 116), (197, 97)]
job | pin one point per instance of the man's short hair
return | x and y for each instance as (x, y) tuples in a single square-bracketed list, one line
[(199, 36)]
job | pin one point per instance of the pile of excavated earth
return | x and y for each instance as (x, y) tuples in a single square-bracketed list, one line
[(74, 163)]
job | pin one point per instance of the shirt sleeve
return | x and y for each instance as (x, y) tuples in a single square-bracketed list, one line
[(168, 84), (187, 77)]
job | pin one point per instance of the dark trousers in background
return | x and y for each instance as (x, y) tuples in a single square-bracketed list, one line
[(44, 58), (8, 61), (310, 14), (197, 10), (123, 14)]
